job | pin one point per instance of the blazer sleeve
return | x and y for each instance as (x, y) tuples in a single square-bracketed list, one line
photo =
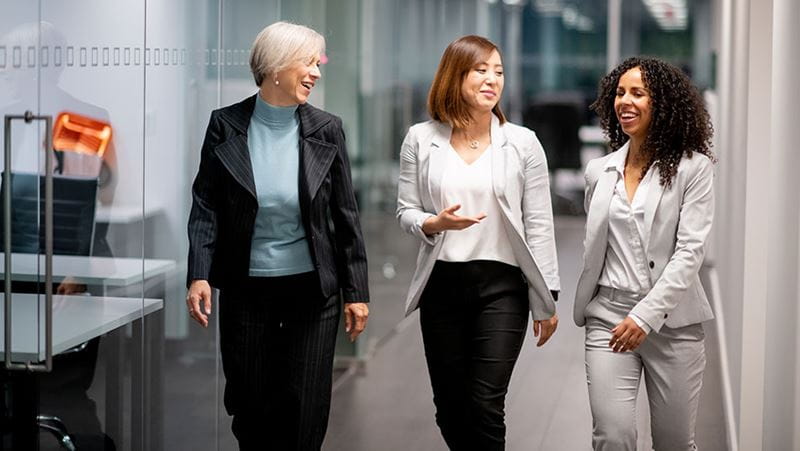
[(410, 212), (351, 254), (202, 225), (590, 179), (694, 225), (537, 214)]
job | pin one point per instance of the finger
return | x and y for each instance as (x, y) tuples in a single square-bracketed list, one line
[(348, 319), (453, 208), (207, 302), (536, 326), (547, 331), (197, 317), (466, 222), (194, 309), (481, 217), (360, 325), (202, 319), (616, 334), (623, 340), (361, 322), (613, 340), (623, 343)]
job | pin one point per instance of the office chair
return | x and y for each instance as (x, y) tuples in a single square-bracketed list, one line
[(74, 200), (556, 125)]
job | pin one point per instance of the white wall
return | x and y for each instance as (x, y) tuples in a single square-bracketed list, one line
[(780, 414), (757, 231)]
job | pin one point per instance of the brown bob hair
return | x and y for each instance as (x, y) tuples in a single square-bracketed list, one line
[(445, 102)]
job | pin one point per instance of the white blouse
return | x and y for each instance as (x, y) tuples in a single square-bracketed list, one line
[(626, 262), (471, 186)]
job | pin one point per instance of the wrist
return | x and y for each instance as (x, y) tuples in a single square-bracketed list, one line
[(431, 225)]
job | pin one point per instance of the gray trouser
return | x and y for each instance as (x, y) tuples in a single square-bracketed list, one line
[(673, 361)]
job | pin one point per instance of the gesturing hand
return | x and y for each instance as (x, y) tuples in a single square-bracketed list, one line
[(199, 290), (626, 336), (447, 219)]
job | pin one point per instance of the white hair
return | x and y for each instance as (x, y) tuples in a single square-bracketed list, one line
[(279, 45)]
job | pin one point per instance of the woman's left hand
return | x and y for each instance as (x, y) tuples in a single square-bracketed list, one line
[(544, 329), (627, 336), (355, 318)]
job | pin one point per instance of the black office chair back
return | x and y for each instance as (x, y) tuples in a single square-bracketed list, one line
[(556, 125), (74, 201)]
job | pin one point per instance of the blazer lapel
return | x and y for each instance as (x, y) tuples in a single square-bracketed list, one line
[(235, 156), (316, 155), (597, 219), (654, 194), (499, 157), (234, 153), (436, 163)]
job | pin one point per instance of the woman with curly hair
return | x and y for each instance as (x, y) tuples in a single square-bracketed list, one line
[(649, 207)]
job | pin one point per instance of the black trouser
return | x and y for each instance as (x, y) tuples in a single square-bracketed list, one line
[(473, 317), (277, 338)]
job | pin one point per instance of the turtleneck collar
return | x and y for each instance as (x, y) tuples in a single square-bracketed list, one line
[(274, 116)]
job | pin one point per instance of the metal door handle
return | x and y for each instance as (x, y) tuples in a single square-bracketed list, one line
[(29, 117)]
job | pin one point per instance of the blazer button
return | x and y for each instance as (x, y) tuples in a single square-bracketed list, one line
[(652, 264), (666, 315)]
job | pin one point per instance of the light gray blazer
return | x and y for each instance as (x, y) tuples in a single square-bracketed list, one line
[(677, 222), (521, 186)]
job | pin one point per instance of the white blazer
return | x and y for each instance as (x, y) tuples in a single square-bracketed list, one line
[(676, 224), (522, 188)]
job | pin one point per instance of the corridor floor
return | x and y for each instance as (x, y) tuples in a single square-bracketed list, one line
[(387, 405)]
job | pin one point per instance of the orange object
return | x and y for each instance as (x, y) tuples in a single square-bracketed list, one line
[(73, 132)]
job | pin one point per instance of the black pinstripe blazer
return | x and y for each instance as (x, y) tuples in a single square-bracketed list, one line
[(224, 203)]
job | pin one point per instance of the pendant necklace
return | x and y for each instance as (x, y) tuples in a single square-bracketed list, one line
[(472, 143)]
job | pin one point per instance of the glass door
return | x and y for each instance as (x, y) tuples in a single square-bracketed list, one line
[(93, 59), (79, 372), (25, 343)]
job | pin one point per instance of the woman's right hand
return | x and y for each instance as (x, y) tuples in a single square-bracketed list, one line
[(199, 290), (447, 219)]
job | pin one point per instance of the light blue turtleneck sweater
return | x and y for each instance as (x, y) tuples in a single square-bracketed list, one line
[(279, 246)]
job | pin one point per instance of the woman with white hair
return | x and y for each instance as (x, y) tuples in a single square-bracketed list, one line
[(274, 175)]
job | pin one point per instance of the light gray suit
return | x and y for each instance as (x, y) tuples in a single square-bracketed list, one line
[(676, 224), (521, 185)]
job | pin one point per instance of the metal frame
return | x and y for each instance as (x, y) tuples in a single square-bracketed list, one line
[(29, 117)]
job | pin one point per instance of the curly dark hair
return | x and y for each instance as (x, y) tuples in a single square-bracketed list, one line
[(680, 123)]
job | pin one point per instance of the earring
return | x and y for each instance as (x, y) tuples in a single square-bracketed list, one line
[(277, 82)]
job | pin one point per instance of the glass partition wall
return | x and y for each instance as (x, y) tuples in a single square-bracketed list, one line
[(130, 85)]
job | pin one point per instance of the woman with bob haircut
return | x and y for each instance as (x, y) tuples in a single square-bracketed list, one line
[(474, 189), (274, 173), (649, 208)]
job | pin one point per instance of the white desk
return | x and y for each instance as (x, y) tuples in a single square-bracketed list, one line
[(592, 134), (124, 214), (76, 319), (86, 270)]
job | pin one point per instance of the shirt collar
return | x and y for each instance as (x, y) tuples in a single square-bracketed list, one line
[(617, 159), (277, 116)]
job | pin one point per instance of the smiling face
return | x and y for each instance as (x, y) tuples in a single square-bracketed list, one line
[(295, 82), (633, 104), (483, 85)]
